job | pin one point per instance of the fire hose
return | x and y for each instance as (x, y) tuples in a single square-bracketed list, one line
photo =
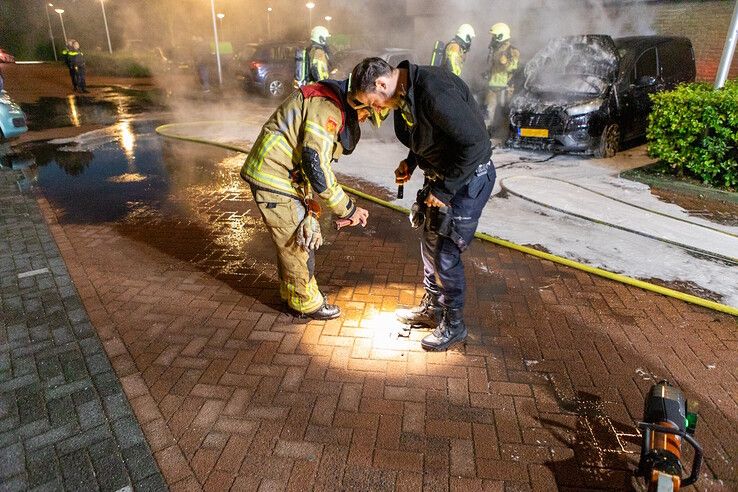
[(166, 131)]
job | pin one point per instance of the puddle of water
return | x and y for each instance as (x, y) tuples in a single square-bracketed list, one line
[(113, 104), (104, 176), (185, 199)]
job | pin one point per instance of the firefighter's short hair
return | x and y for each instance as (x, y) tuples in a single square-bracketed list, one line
[(366, 73)]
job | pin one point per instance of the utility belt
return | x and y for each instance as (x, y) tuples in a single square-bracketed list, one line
[(441, 220), (482, 169)]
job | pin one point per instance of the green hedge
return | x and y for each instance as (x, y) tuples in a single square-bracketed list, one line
[(694, 129), (117, 64)]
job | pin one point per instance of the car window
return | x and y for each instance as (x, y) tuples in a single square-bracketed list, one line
[(646, 65), (675, 59), (261, 53)]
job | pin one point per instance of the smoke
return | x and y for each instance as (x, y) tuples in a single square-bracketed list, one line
[(532, 22)]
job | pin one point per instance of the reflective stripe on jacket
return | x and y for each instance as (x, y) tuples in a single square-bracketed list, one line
[(275, 160)]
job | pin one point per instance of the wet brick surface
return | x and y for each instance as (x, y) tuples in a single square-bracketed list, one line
[(230, 392), (61, 404)]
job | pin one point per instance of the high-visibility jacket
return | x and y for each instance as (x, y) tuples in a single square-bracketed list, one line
[(317, 63), (503, 61), (454, 57), (73, 58), (311, 118)]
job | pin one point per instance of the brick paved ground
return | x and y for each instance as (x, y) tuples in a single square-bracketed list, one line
[(231, 393), (64, 419)]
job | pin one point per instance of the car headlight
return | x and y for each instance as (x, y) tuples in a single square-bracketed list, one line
[(584, 108)]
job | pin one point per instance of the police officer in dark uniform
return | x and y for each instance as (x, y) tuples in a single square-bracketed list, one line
[(437, 118), (77, 62), (67, 57)]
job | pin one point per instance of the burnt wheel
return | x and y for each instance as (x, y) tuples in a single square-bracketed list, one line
[(609, 142)]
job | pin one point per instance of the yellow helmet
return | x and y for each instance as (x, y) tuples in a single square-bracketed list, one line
[(466, 33), (319, 35), (500, 32)]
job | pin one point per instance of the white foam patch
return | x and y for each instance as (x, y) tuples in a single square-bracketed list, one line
[(522, 222)]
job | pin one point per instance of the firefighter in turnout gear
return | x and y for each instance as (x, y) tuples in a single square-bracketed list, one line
[(317, 54), (289, 162), (503, 60), (457, 48)]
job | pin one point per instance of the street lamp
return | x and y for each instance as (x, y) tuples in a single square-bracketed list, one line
[(107, 32), (64, 31), (310, 6), (220, 16), (328, 18), (217, 45), (269, 23), (51, 32)]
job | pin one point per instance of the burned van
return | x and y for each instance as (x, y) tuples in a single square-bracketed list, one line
[(590, 93)]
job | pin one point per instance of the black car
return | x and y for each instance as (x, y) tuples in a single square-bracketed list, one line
[(590, 93), (271, 68)]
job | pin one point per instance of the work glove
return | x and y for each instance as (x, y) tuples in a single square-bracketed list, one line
[(309, 236)]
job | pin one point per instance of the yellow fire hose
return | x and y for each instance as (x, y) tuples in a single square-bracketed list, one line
[(164, 130)]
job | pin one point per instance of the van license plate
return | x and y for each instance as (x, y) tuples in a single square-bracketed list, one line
[(533, 132)]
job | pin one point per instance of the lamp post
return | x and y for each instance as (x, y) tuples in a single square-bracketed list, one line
[(728, 51), (217, 45), (220, 16), (269, 24), (51, 32), (64, 31), (310, 6), (105, 19)]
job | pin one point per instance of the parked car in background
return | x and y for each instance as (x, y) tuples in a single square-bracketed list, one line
[(271, 69), (12, 118), (590, 93)]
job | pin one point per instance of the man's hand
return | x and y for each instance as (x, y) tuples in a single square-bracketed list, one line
[(432, 201), (309, 236), (402, 173), (359, 216)]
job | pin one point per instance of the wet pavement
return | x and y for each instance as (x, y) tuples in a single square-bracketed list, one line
[(176, 273), (65, 422)]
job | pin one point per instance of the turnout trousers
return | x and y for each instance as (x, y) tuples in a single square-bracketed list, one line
[(295, 266), (446, 237)]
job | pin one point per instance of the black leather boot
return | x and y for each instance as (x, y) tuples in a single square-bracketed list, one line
[(326, 311), (426, 314), (451, 330)]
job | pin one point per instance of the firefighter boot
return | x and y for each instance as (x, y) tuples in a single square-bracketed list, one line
[(451, 330), (326, 311), (426, 314)]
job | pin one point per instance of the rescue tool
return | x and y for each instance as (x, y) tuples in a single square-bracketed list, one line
[(667, 419)]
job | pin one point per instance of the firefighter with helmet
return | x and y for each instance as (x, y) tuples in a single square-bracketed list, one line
[(503, 60), (289, 163), (318, 54), (457, 48)]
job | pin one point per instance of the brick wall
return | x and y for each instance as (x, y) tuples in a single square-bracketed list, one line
[(706, 23)]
